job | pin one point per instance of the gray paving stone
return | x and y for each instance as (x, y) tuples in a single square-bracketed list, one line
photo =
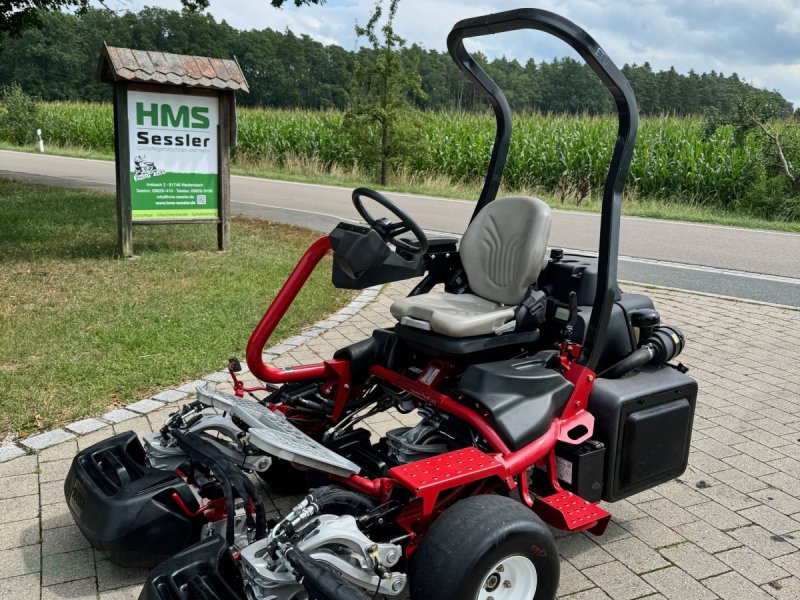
[(217, 377), (717, 515), (653, 533), (667, 512), (732, 586), (618, 581), (19, 466), (751, 565), (63, 539), (592, 594), (770, 519), (119, 415), (69, 566), (82, 589), (85, 426), (10, 452), (581, 551), (279, 349), (677, 585), (47, 439), (192, 386), (59, 451), (765, 543), (175, 395), (145, 406), (127, 593), (783, 589), (22, 587), (19, 485), (110, 576), (19, 509), (572, 580), (20, 561), (694, 560), (19, 533), (635, 554)]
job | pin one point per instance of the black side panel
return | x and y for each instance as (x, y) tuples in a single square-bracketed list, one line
[(645, 421), (124, 507), (205, 571), (620, 341), (379, 349), (521, 396), (362, 259)]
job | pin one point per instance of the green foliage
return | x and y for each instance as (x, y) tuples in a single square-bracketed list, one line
[(380, 120), (763, 123), (19, 115), (57, 61), (674, 159)]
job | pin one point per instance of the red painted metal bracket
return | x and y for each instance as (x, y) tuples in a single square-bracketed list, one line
[(569, 512), (428, 477)]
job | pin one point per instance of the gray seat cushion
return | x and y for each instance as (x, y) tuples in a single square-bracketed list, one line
[(503, 252), (455, 315)]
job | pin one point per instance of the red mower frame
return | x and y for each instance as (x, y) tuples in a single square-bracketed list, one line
[(442, 479)]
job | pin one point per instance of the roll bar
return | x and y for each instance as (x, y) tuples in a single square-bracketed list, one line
[(614, 80)]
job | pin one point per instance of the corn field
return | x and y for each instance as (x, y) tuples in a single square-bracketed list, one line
[(673, 159)]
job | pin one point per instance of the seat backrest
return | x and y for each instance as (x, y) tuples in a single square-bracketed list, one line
[(503, 249)]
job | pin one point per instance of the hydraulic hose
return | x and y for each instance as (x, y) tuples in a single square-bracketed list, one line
[(665, 343)]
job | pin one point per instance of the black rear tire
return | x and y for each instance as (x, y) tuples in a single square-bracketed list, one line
[(457, 555)]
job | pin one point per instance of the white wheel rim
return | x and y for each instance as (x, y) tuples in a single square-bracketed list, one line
[(513, 578)]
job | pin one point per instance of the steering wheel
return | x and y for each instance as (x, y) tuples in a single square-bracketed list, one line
[(387, 230)]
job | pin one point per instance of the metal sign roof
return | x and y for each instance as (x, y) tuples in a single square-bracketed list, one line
[(141, 66)]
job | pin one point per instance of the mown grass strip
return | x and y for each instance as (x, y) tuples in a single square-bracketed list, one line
[(82, 331)]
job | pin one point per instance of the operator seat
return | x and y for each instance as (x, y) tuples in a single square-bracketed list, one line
[(502, 251)]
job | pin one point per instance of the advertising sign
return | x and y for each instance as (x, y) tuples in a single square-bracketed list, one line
[(174, 155)]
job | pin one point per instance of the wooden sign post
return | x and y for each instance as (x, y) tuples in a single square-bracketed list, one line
[(174, 124)]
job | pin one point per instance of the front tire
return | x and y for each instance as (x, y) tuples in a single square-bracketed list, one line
[(498, 547)]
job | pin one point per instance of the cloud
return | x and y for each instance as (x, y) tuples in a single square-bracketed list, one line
[(758, 40)]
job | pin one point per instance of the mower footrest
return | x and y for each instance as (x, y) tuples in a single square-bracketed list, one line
[(571, 513)]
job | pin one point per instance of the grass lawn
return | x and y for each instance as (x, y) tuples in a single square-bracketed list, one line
[(83, 331), (633, 206)]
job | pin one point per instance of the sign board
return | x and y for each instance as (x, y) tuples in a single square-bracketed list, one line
[(174, 124), (174, 155)]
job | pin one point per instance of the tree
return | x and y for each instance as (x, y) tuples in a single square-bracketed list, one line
[(756, 113), (18, 15), (380, 118)]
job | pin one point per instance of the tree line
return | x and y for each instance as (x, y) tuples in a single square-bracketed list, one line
[(57, 61)]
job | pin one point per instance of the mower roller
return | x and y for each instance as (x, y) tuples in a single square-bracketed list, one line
[(540, 389)]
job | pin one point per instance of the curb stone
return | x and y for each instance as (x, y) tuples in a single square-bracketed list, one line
[(82, 427)]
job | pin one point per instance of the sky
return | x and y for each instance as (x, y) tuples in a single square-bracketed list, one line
[(758, 39)]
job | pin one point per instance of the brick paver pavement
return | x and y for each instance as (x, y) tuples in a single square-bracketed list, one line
[(728, 528)]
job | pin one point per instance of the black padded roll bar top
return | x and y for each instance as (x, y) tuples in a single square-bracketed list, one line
[(609, 74)]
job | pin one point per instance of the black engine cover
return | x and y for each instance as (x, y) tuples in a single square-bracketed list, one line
[(126, 508), (522, 396)]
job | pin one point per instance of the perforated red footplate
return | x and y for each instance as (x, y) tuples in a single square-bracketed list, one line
[(571, 513), (430, 476)]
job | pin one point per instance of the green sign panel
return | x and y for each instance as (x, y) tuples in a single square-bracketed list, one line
[(174, 156)]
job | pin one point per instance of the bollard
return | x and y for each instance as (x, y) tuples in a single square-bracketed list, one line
[(41, 141)]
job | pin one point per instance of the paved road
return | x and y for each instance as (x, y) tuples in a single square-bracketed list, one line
[(746, 263)]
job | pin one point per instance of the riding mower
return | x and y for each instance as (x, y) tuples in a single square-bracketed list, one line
[(540, 389)]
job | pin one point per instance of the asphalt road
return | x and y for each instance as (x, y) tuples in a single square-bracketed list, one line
[(744, 263)]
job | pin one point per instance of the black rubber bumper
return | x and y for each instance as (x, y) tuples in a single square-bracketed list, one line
[(126, 508), (204, 571)]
